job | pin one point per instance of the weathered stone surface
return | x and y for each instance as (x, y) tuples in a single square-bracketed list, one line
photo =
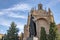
[(32, 38), (26, 31), (35, 38), (1, 35), (37, 19)]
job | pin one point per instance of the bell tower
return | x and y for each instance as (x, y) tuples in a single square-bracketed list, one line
[(39, 6)]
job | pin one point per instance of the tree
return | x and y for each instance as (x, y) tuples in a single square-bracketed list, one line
[(52, 31), (12, 33), (43, 34)]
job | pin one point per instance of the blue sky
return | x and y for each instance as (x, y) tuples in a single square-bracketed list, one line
[(17, 11)]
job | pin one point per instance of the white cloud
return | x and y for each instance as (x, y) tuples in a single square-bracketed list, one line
[(9, 13), (14, 15), (7, 23), (20, 7), (21, 27), (1, 13), (1, 31), (16, 7)]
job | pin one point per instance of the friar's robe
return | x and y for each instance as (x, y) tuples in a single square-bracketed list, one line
[(32, 28)]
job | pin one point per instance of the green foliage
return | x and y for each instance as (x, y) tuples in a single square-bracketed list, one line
[(43, 34), (12, 33), (52, 31)]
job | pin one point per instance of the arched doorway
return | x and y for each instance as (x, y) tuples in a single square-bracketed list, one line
[(41, 22)]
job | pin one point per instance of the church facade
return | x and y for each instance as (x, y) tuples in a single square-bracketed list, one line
[(36, 19)]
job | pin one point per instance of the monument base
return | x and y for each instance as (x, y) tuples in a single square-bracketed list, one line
[(32, 38)]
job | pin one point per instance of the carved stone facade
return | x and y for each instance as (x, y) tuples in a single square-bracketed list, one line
[(1, 35), (58, 32), (26, 32), (37, 19)]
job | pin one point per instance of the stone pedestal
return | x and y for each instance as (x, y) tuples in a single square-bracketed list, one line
[(35, 38), (24, 38), (32, 38)]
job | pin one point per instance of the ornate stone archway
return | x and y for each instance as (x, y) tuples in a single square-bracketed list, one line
[(42, 22)]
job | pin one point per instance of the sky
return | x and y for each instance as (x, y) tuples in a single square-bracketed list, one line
[(17, 11)]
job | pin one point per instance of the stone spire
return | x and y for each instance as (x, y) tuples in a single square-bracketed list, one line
[(28, 20), (50, 12), (50, 15), (39, 6), (32, 10)]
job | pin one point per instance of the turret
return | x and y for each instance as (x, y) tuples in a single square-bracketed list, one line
[(32, 10), (28, 20), (50, 12), (39, 6), (50, 15)]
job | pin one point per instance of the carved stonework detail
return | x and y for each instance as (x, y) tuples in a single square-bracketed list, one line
[(37, 19)]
